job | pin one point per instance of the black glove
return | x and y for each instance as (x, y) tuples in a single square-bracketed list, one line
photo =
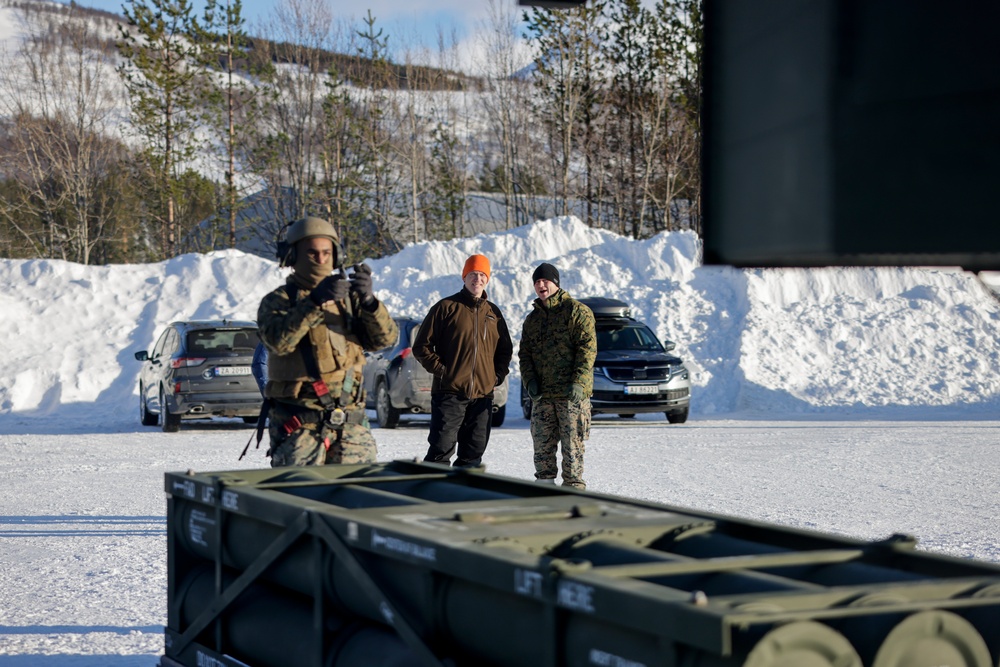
[(576, 393), (361, 284), (532, 389), (331, 288)]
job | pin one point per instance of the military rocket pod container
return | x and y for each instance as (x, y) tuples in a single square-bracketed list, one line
[(403, 563)]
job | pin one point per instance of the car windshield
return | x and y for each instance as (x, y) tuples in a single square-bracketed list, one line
[(221, 342), (627, 338)]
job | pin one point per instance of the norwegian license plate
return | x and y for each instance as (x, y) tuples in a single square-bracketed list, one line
[(641, 389), (232, 370)]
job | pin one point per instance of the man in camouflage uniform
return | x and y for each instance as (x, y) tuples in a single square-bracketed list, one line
[(316, 328), (557, 353)]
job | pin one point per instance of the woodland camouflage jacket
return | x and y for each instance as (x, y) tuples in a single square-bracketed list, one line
[(558, 346)]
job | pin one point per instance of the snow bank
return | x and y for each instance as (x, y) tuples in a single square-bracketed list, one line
[(917, 342)]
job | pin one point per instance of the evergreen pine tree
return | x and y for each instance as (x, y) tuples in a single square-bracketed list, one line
[(567, 63), (233, 106), (446, 200), (161, 76)]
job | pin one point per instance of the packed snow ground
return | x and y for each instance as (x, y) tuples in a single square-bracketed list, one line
[(857, 401)]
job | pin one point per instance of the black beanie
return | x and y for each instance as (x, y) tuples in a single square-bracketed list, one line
[(546, 271)]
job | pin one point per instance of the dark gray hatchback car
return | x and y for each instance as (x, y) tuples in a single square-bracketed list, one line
[(199, 369), (396, 383)]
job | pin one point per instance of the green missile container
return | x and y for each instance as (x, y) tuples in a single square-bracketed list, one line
[(404, 563)]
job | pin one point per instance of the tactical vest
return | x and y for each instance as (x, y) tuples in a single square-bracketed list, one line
[(338, 353)]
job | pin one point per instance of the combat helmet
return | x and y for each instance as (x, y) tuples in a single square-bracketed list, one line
[(305, 228)]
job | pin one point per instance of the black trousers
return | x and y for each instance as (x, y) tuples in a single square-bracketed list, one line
[(462, 421)]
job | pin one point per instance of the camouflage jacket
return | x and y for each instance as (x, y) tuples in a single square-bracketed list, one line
[(464, 343), (338, 334), (558, 346)]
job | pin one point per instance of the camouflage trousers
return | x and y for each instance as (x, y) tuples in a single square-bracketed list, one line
[(555, 420), (318, 444)]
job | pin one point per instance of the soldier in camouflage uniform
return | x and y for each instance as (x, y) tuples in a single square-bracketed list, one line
[(316, 328), (557, 353)]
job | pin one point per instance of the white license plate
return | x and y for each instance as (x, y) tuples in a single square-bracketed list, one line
[(641, 389), (232, 370)]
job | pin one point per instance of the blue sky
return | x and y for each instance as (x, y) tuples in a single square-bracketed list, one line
[(404, 21)]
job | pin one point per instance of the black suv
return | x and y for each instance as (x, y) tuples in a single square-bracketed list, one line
[(397, 384), (199, 369), (633, 372)]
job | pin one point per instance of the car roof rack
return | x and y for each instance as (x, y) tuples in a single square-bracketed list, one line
[(605, 307), (603, 322)]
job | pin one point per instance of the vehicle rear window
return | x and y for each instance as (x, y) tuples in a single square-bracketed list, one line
[(221, 342)]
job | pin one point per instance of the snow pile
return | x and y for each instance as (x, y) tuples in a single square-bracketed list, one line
[(863, 342)]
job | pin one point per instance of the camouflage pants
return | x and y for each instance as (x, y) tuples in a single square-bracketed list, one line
[(318, 444), (555, 420)]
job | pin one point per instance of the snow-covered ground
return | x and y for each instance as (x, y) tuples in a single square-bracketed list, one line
[(858, 401)]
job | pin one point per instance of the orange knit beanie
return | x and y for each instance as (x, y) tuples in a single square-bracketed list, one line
[(476, 263)]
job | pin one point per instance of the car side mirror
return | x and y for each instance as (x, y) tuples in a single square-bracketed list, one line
[(142, 356), (670, 345)]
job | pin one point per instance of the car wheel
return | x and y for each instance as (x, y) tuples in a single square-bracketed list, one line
[(498, 416), (148, 418), (171, 423), (627, 415), (678, 417), (388, 416)]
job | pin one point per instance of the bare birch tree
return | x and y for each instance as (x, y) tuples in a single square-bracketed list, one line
[(505, 102), (451, 149), (635, 114), (343, 161), (681, 37), (378, 133), (59, 144), (566, 45), (232, 104), (414, 121), (290, 133)]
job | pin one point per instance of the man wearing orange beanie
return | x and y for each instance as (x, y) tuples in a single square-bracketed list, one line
[(464, 343)]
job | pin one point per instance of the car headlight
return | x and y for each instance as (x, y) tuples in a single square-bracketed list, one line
[(602, 382)]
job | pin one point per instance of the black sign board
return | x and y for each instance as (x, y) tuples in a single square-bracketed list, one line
[(851, 132)]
